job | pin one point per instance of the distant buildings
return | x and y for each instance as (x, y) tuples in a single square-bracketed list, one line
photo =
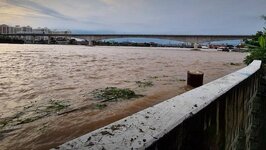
[(59, 39), (41, 31), (6, 29)]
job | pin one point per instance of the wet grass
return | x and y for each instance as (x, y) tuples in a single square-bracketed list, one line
[(4, 133), (100, 106), (144, 84), (5, 121), (113, 94), (40, 112), (30, 119), (232, 64), (153, 77), (56, 105), (235, 64)]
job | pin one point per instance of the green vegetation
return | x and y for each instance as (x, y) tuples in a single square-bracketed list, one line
[(30, 119), (257, 52), (4, 39), (100, 106), (263, 17), (56, 105), (113, 94), (73, 42), (3, 123), (154, 77), (144, 84), (257, 47), (235, 64), (30, 113)]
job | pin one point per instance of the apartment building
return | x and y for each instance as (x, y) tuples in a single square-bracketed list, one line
[(5, 29)]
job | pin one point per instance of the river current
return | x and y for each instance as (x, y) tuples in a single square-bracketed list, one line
[(31, 76)]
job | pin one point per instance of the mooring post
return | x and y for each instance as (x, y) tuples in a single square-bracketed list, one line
[(195, 78)]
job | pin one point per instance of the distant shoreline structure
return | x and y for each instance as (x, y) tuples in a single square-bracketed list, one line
[(28, 35)]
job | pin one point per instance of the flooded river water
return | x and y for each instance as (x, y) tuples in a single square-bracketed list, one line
[(45, 90)]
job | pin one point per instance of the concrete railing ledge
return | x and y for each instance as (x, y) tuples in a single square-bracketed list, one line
[(144, 128)]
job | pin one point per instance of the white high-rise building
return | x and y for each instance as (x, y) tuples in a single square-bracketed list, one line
[(41, 31), (26, 30), (18, 29), (5, 29)]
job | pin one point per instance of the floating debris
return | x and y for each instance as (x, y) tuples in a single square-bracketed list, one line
[(100, 106), (144, 84), (113, 94), (32, 113), (56, 105), (235, 64), (182, 80), (153, 77)]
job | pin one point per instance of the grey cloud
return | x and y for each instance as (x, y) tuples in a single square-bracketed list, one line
[(150, 16), (39, 8), (24, 16), (43, 10)]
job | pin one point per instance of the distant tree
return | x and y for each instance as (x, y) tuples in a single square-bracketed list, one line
[(53, 40), (5, 39), (263, 17), (73, 42), (255, 40)]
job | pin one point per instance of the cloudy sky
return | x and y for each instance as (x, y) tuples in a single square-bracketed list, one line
[(138, 16)]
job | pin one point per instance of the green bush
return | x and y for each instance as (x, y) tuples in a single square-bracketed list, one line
[(257, 47)]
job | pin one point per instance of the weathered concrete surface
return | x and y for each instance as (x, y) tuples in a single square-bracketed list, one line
[(214, 116)]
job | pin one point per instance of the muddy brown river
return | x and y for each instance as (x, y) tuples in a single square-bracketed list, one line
[(46, 90)]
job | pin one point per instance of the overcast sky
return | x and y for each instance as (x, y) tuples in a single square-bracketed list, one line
[(138, 16)]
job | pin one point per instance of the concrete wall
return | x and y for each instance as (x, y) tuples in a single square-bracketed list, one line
[(259, 141), (217, 115)]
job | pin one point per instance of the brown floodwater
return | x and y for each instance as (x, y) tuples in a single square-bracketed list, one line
[(35, 80)]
